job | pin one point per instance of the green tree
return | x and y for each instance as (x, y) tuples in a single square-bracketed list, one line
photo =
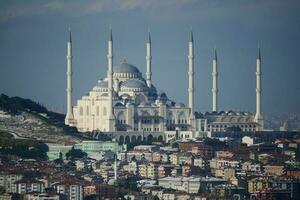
[(155, 197), (74, 154)]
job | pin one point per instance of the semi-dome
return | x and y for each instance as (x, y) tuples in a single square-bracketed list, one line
[(153, 91), (134, 84)]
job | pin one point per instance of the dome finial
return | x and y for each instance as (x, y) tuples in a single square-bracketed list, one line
[(215, 52), (191, 36), (124, 60), (110, 34), (70, 35), (259, 54), (149, 37)]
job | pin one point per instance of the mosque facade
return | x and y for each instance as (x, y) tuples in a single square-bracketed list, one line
[(130, 108)]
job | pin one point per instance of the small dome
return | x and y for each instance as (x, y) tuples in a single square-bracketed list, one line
[(119, 104), (126, 68), (104, 95), (103, 84), (180, 105), (161, 95), (198, 115), (222, 113), (125, 96)]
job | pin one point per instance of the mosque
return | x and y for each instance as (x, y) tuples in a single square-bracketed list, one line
[(129, 107)]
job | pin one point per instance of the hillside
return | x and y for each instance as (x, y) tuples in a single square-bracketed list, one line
[(24, 118)]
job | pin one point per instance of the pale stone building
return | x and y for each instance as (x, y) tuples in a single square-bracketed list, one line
[(130, 108)]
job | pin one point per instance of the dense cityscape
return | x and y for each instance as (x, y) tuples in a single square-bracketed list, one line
[(41, 158)]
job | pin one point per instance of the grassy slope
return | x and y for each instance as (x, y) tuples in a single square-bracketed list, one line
[(16, 105)]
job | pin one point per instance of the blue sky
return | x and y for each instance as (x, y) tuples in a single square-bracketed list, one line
[(33, 37)]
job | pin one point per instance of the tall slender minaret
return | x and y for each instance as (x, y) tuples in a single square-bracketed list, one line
[(115, 169), (111, 118), (215, 83), (258, 115), (148, 60), (191, 74), (69, 117)]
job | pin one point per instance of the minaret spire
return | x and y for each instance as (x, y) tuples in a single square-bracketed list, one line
[(215, 82), (111, 118), (258, 115), (215, 54), (70, 36), (148, 61), (191, 37), (110, 35), (115, 169), (69, 117), (149, 37), (191, 74)]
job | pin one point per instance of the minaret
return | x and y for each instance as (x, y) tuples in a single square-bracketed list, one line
[(148, 60), (115, 169), (191, 74), (69, 117), (111, 118), (215, 83), (258, 115)]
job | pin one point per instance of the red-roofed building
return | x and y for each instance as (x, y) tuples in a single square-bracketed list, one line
[(70, 187), (28, 185)]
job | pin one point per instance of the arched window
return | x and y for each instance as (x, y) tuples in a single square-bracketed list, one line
[(80, 111), (98, 111), (104, 111), (181, 117), (87, 110)]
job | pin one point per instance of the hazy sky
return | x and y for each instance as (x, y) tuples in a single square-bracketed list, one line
[(33, 37)]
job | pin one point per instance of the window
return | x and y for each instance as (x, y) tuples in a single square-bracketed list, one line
[(104, 111), (80, 111), (97, 111), (87, 110)]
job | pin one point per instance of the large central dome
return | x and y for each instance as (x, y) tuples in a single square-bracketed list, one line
[(126, 71), (126, 68)]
